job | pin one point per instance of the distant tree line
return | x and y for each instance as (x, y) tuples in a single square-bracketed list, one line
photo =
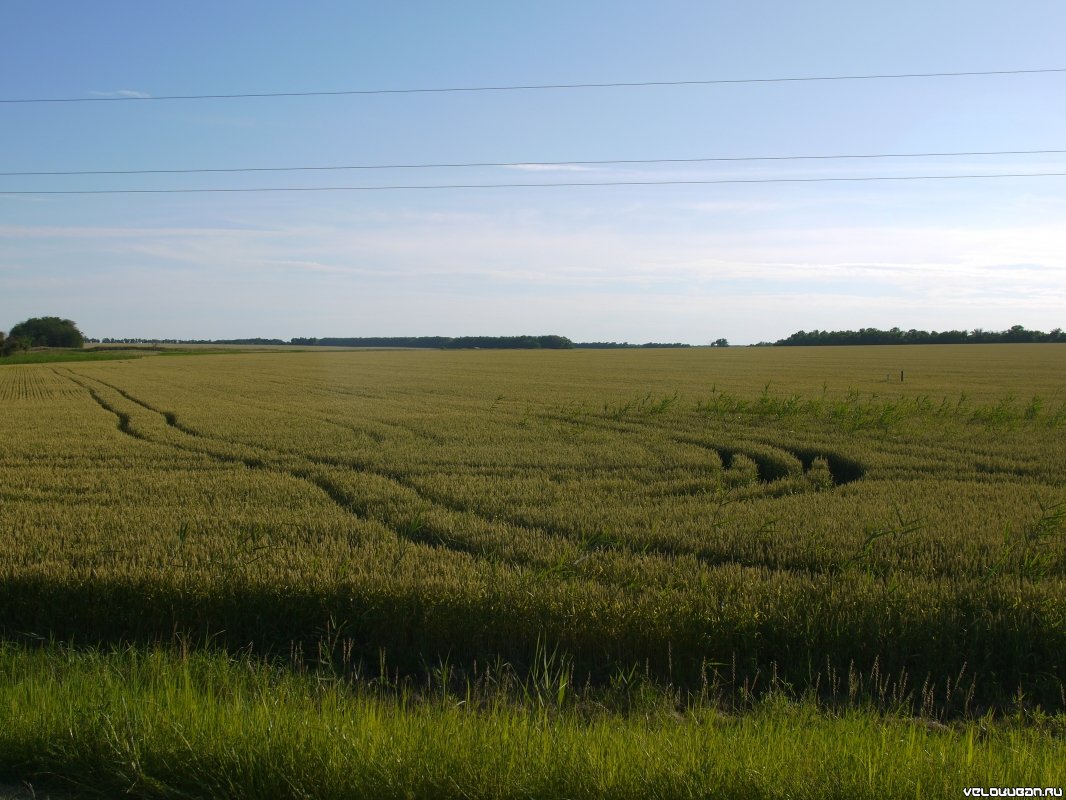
[(1015, 333), (617, 345), (140, 340), (436, 342), (549, 342)]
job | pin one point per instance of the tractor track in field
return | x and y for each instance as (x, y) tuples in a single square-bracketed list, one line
[(418, 531), (379, 431), (415, 533), (842, 469)]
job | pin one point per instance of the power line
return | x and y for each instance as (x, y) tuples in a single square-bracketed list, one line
[(533, 87), (412, 187), (604, 162)]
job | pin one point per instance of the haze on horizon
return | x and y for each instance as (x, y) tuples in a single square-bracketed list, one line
[(683, 262)]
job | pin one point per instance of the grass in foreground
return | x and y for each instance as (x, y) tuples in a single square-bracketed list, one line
[(159, 724)]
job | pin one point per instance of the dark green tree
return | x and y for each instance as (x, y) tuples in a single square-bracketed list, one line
[(49, 332), (15, 344)]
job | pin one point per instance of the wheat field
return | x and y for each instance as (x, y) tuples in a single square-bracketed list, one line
[(679, 510), (724, 524)]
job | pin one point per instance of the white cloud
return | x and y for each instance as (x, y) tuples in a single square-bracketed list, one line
[(731, 206), (535, 250), (550, 167), (46, 232), (589, 280), (121, 93)]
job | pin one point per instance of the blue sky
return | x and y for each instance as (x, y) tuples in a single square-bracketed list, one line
[(676, 263)]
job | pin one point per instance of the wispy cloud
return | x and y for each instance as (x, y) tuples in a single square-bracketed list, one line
[(551, 167), (121, 93), (107, 232), (520, 250), (731, 206), (615, 278)]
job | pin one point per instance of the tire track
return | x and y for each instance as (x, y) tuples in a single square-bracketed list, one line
[(417, 533), (842, 469), (367, 429)]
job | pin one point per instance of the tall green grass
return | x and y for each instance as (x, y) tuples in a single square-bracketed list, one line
[(167, 724)]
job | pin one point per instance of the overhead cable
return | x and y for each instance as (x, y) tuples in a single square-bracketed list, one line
[(520, 164), (420, 187), (530, 87)]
